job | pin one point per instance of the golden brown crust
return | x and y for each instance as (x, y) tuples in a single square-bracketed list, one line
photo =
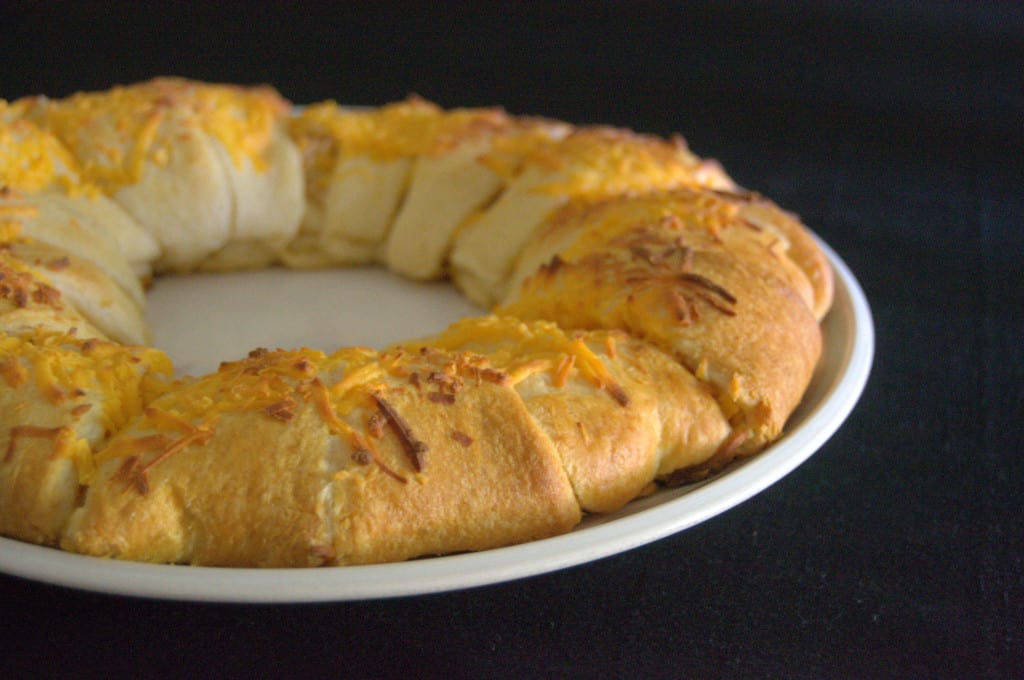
[(335, 459), (229, 499), (799, 245), (490, 477)]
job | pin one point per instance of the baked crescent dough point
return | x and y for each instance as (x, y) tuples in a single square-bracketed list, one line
[(109, 225), (444, 191), (363, 198), (179, 156), (685, 271), (51, 219), (84, 286), (267, 206), (29, 303)]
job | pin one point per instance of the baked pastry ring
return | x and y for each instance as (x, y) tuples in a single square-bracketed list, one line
[(652, 321)]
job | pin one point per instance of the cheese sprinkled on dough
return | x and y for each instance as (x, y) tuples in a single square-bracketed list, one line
[(117, 132)]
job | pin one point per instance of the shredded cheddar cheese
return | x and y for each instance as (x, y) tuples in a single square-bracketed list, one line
[(414, 128), (411, 128), (525, 349)]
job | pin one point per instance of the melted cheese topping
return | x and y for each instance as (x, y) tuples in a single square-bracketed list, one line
[(117, 132), (411, 128), (325, 133), (273, 383), (601, 161), (253, 383), (627, 264), (617, 250)]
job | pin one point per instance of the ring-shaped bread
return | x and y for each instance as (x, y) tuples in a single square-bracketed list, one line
[(652, 322)]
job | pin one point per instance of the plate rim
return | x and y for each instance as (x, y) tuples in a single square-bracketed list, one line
[(615, 535)]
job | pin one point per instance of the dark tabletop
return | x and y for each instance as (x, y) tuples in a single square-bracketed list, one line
[(895, 130)]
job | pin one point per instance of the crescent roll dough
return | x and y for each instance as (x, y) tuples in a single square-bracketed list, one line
[(620, 413), (68, 394), (181, 156), (296, 458), (589, 163), (688, 272), (42, 195), (84, 286), (395, 184), (28, 302)]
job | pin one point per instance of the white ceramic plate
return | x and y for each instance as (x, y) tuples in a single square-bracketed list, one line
[(203, 319)]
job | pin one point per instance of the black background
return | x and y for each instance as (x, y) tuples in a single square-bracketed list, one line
[(896, 130)]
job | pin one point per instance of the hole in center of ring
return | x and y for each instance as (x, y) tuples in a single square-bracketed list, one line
[(203, 319)]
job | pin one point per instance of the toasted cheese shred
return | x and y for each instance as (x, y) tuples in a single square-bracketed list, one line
[(413, 447), (19, 431), (564, 367), (199, 435), (317, 393), (13, 372)]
